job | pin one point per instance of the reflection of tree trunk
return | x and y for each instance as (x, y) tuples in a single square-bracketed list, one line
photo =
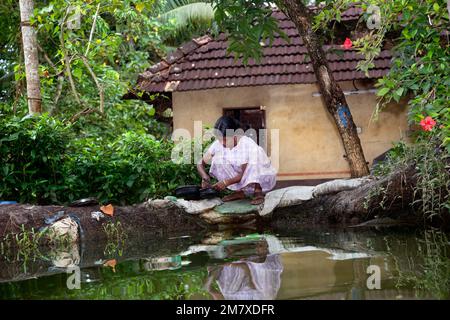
[(90, 254), (30, 51), (333, 95)]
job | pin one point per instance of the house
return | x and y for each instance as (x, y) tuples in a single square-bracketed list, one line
[(280, 92)]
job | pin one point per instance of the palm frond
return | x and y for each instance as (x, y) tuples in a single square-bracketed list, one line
[(190, 18), (188, 12)]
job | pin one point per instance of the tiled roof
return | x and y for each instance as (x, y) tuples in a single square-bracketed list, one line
[(204, 64)]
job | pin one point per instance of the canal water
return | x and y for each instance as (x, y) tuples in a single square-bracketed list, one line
[(306, 264)]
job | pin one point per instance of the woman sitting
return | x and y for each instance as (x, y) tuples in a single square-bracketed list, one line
[(238, 163)]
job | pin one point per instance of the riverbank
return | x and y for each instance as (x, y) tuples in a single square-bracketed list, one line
[(343, 203)]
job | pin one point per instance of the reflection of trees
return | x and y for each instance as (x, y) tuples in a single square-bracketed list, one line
[(428, 268), (125, 283), (159, 285)]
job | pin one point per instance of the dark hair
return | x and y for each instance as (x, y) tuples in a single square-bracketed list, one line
[(225, 123)]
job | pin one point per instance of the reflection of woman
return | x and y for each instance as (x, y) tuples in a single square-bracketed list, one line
[(238, 163), (247, 279)]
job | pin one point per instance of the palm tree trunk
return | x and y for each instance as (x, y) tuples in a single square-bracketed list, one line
[(30, 52), (448, 7), (333, 95)]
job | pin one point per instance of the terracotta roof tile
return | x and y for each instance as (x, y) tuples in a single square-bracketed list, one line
[(189, 47), (203, 63)]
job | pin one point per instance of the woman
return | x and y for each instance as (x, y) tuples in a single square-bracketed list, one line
[(238, 164)]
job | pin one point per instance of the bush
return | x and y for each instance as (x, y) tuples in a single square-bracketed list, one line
[(44, 161), (130, 169), (32, 156)]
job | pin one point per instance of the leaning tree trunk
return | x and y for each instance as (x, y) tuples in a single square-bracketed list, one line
[(380, 202), (147, 218), (333, 95), (31, 57)]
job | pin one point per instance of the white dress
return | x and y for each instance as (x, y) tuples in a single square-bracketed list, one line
[(226, 164), (262, 282)]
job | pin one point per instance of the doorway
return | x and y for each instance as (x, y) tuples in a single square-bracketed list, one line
[(250, 118)]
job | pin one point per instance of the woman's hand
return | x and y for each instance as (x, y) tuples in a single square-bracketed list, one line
[(221, 185), (206, 183)]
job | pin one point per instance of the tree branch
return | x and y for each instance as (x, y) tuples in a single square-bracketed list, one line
[(85, 111), (58, 93), (67, 60), (97, 83), (60, 78), (7, 76), (92, 30)]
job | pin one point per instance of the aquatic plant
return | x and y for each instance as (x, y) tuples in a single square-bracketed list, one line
[(116, 237), (23, 245), (26, 244)]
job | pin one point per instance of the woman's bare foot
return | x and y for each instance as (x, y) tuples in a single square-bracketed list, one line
[(258, 199), (258, 195), (238, 195)]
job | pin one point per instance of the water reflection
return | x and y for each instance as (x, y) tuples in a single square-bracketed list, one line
[(310, 264), (247, 279)]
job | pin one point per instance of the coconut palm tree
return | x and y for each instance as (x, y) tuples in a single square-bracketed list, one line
[(191, 18)]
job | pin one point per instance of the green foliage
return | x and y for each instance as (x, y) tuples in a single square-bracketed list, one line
[(432, 165), (250, 25), (80, 150), (130, 115), (420, 69), (32, 154), (162, 285), (190, 18), (129, 169), (102, 55), (43, 161), (9, 53)]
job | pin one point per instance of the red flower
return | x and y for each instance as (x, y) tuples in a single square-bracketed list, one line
[(347, 43), (427, 124)]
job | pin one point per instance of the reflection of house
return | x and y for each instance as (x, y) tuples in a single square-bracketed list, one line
[(313, 273), (280, 92)]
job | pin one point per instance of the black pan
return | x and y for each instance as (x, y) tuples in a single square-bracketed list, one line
[(208, 193), (188, 192), (193, 192)]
